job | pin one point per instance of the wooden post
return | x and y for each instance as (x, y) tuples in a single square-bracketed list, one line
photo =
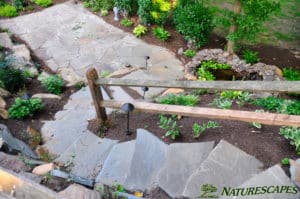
[(92, 77)]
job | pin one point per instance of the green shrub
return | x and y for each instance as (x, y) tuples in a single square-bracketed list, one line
[(97, 5), (8, 11), (185, 100), (293, 134), (104, 12), (161, 33), (43, 3), (54, 84), (145, 7), (20, 4), (12, 79), (23, 108), (194, 22), (241, 97), (126, 22), (291, 107), (170, 125), (139, 30), (285, 161), (204, 71), (129, 6), (199, 129), (291, 74), (189, 53), (250, 57), (222, 103)]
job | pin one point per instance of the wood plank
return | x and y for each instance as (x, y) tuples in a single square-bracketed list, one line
[(251, 86), (212, 113)]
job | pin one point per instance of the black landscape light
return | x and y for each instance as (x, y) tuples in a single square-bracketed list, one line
[(144, 89), (127, 107), (146, 59)]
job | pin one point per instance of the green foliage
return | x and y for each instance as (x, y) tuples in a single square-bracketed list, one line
[(19, 4), (291, 74), (11, 79), (189, 53), (104, 74), (251, 20), (126, 22), (293, 134), (185, 100), (23, 108), (256, 124), (79, 85), (43, 3), (291, 107), (199, 129), (204, 72), (250, 57), (199, 91), (285, 161), (28, 74), (194, 22), (129, 6), (139, 30), (161, 33), (54, 84), (97, 5), (145, 7), (104, 12), (170, 125), (222, 103), (240, 96), (8, 11)]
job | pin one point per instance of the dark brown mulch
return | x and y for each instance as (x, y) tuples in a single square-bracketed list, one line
[(265, 144), (18, 127)]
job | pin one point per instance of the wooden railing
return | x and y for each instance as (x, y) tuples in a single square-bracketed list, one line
[(247, 116)]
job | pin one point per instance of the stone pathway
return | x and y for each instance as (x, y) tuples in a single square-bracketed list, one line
[(70, 39)]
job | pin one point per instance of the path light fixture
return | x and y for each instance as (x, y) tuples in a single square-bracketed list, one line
[(116, 14), (144, 89), (146, 59), (127, 107)]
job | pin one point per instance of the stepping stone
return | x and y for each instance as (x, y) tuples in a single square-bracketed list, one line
[(5, 40), (226, 166), (273, 176), (148, 158), (117, 165), (76, 191), (182, 161), (86, 155)]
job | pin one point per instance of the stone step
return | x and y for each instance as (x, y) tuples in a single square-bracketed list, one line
[(148, 158), (273, 176), (117, 165), (181, 162), (226, 165), (76, 191), (86, 155)]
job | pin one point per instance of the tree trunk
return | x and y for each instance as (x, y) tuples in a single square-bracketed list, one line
[(233, 28)]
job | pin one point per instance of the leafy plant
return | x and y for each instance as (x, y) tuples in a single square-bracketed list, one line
[(104, 12), (222, 103), (161, 33), (79, 85), (97, 5), (130, 7), (126, 22), (256, 124), (285, 161), (23, 108), (204, 71), (291, 74), (250, 56), (145, 7), (240, 96), (194, 22), (189, 53), (43, 3), (199, 91), (293, 134), (170, 125), (279, 105), (180, 99), (199, 129), (11, 79), (104, 74), (54, 84), (8, 11), (139, 30), (20, 4)]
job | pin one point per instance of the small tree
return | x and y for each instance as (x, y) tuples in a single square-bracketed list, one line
[(247, 19)]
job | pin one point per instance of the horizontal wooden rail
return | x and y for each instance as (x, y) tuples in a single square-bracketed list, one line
[(212, 113), (265, 86)]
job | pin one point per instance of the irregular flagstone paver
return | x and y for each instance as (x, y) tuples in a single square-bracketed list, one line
[(76, 191), (70, 39), (86, 155), (226, 165), (182, 161), (117, 165), (5, 40), (273, 176), (148, 158)]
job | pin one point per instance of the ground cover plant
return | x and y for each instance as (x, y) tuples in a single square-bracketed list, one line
[(170, 125), (250, 57), (205, 73), (139, 30), (199, 129), (189, 53), (126, 22), (11, 79), (291, 74), (43, 3), (8, 10), (54, 84), (161, 33), (23, 108), (178, 99)]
